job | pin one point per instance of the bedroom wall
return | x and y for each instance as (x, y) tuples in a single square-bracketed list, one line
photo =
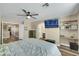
[(40, 29), (27, 27), (0, 30), (78, 31), (51, 33), (21, 31), (66, 33)]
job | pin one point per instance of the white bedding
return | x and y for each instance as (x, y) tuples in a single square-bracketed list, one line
[(32, 47)]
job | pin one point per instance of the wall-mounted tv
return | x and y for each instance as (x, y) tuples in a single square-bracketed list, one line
[(51, 23)]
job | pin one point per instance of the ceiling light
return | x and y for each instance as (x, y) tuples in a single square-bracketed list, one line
[(28, 17)]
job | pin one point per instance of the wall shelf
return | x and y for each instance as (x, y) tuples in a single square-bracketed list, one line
[(69, 33), (70, 21), (70, 25)]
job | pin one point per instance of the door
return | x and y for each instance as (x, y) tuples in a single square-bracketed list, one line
[(32, 33)]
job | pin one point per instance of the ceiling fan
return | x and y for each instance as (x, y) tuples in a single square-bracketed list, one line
[(45, 5), (28, 14)]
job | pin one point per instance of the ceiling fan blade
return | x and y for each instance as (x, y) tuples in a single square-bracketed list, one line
[(33, 17), (35, 14), (24, 10), (45, 5)]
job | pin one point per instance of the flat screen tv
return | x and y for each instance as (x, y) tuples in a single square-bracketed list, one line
[(51, 23)]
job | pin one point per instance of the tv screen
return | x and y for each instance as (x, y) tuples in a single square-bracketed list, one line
[(52, 23)]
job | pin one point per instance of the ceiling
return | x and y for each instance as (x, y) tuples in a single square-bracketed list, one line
[(9, 11)]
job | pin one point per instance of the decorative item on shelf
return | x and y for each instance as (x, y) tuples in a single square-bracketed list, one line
[(67, 26), (74, 27), (71, 25)]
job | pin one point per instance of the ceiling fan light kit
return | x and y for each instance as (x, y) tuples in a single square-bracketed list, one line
[(28, 17), (28, 14)]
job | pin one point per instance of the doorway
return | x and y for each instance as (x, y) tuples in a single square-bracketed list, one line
[(10, 32)]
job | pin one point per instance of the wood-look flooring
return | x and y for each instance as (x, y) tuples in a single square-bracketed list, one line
[(68, 52), (11, 39)]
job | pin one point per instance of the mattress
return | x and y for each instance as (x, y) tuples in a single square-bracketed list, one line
[(31, 47)]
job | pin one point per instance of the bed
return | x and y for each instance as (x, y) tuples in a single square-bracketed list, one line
[(31, 47)]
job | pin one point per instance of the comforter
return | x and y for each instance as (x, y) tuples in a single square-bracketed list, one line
[(31, 47)]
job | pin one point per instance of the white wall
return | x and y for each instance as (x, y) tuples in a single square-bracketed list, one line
[(40, 29), (27, 27), (0, 30), (21, 31), (53, 34), (67, 33), (78, 30)]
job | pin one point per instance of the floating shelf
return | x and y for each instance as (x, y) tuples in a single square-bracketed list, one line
[(70, 21)]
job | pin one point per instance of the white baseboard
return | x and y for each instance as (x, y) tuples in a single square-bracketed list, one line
[(65, 44)]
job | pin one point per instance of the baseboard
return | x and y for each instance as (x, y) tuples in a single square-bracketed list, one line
[(65, 44)]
